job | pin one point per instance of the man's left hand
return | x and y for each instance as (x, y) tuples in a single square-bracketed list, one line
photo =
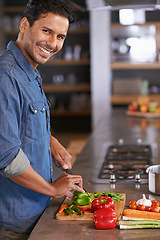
[(61, 156)]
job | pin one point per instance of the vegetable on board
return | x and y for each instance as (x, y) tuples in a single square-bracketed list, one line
[(115, 196), (71, 209), (102, 202), (80, 199), (62, 208), (105, 218)]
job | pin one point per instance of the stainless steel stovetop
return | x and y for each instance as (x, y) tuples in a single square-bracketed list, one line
[(123, 163)]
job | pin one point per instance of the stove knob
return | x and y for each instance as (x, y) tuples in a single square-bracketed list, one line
[(113, 178), (137, 178), (121, 141), (139, 141)]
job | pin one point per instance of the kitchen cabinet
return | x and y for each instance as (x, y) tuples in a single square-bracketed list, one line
[(66, 77), (126, 67)]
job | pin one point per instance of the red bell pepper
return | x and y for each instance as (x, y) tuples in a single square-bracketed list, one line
[(105, 218), (102, 202)]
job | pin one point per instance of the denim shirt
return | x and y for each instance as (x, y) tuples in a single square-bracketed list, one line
[(25, 125)]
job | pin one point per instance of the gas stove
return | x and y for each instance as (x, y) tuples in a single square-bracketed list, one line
[(124, 163)]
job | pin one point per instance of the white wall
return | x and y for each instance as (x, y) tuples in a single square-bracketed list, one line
[(100, 63)]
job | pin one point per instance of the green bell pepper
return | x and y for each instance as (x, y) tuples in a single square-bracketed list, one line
[(80, 199)]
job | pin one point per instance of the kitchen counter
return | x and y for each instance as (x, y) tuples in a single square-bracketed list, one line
[(114, 126)]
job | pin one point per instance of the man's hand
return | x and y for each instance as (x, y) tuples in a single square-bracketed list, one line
[(61, 186), (65, 183), (61, 157)]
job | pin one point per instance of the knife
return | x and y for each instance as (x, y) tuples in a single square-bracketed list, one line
[(69, 172)]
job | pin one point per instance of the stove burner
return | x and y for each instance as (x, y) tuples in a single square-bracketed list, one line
[(128, 173), (126, 164), (125, 173)]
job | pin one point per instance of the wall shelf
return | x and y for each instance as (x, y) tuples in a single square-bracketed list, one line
[(134, 65), (68, 113), (66, 88), (13, 9), (125, 99), (63, 62)]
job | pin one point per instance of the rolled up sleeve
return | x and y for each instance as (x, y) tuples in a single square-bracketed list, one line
[(19, 165)]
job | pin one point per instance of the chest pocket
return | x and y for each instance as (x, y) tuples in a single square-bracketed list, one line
[(37, 123)]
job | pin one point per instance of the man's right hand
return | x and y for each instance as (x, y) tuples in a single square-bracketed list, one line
[(65, 183)]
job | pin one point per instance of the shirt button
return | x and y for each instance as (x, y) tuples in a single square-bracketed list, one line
[(43, 109), (35, 111)]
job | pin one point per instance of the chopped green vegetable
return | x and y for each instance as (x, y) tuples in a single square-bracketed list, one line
[(115, 196), (72, 209)]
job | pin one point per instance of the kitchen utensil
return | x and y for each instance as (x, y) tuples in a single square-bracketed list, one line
[(154, 179)]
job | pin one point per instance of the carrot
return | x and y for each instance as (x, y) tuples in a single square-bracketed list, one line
[(140, 214), (62, 208)]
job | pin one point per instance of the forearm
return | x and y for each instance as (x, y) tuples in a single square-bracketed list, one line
[(30, 179)]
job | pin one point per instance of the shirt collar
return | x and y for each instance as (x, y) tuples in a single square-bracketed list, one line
[(22, 62)]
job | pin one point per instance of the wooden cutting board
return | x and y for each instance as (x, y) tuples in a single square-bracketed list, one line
[(143, 115), (119, 206)]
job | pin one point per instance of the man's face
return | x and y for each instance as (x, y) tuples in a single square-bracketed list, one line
[(44, 39)]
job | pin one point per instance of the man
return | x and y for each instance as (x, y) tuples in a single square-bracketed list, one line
[(26, 145)]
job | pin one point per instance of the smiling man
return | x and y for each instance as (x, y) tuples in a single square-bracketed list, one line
[(26, 146), (44, 39)]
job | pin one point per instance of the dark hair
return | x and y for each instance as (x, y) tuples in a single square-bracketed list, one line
[(35, 8)]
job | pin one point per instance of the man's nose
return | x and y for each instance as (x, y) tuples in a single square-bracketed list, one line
[(53, 43)]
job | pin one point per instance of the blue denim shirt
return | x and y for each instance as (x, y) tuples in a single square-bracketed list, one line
[(24, 124)]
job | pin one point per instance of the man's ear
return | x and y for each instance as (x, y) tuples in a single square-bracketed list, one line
[(24, 24)]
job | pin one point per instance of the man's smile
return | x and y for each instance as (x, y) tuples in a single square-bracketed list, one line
[(46, 51)]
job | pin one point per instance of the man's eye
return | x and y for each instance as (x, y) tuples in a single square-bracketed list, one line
[(45, 30), (60, 37)]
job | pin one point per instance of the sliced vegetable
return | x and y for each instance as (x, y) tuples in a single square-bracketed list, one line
[(78, 210), (71, 209), (62, 208), (84, 208), (105, 218)]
